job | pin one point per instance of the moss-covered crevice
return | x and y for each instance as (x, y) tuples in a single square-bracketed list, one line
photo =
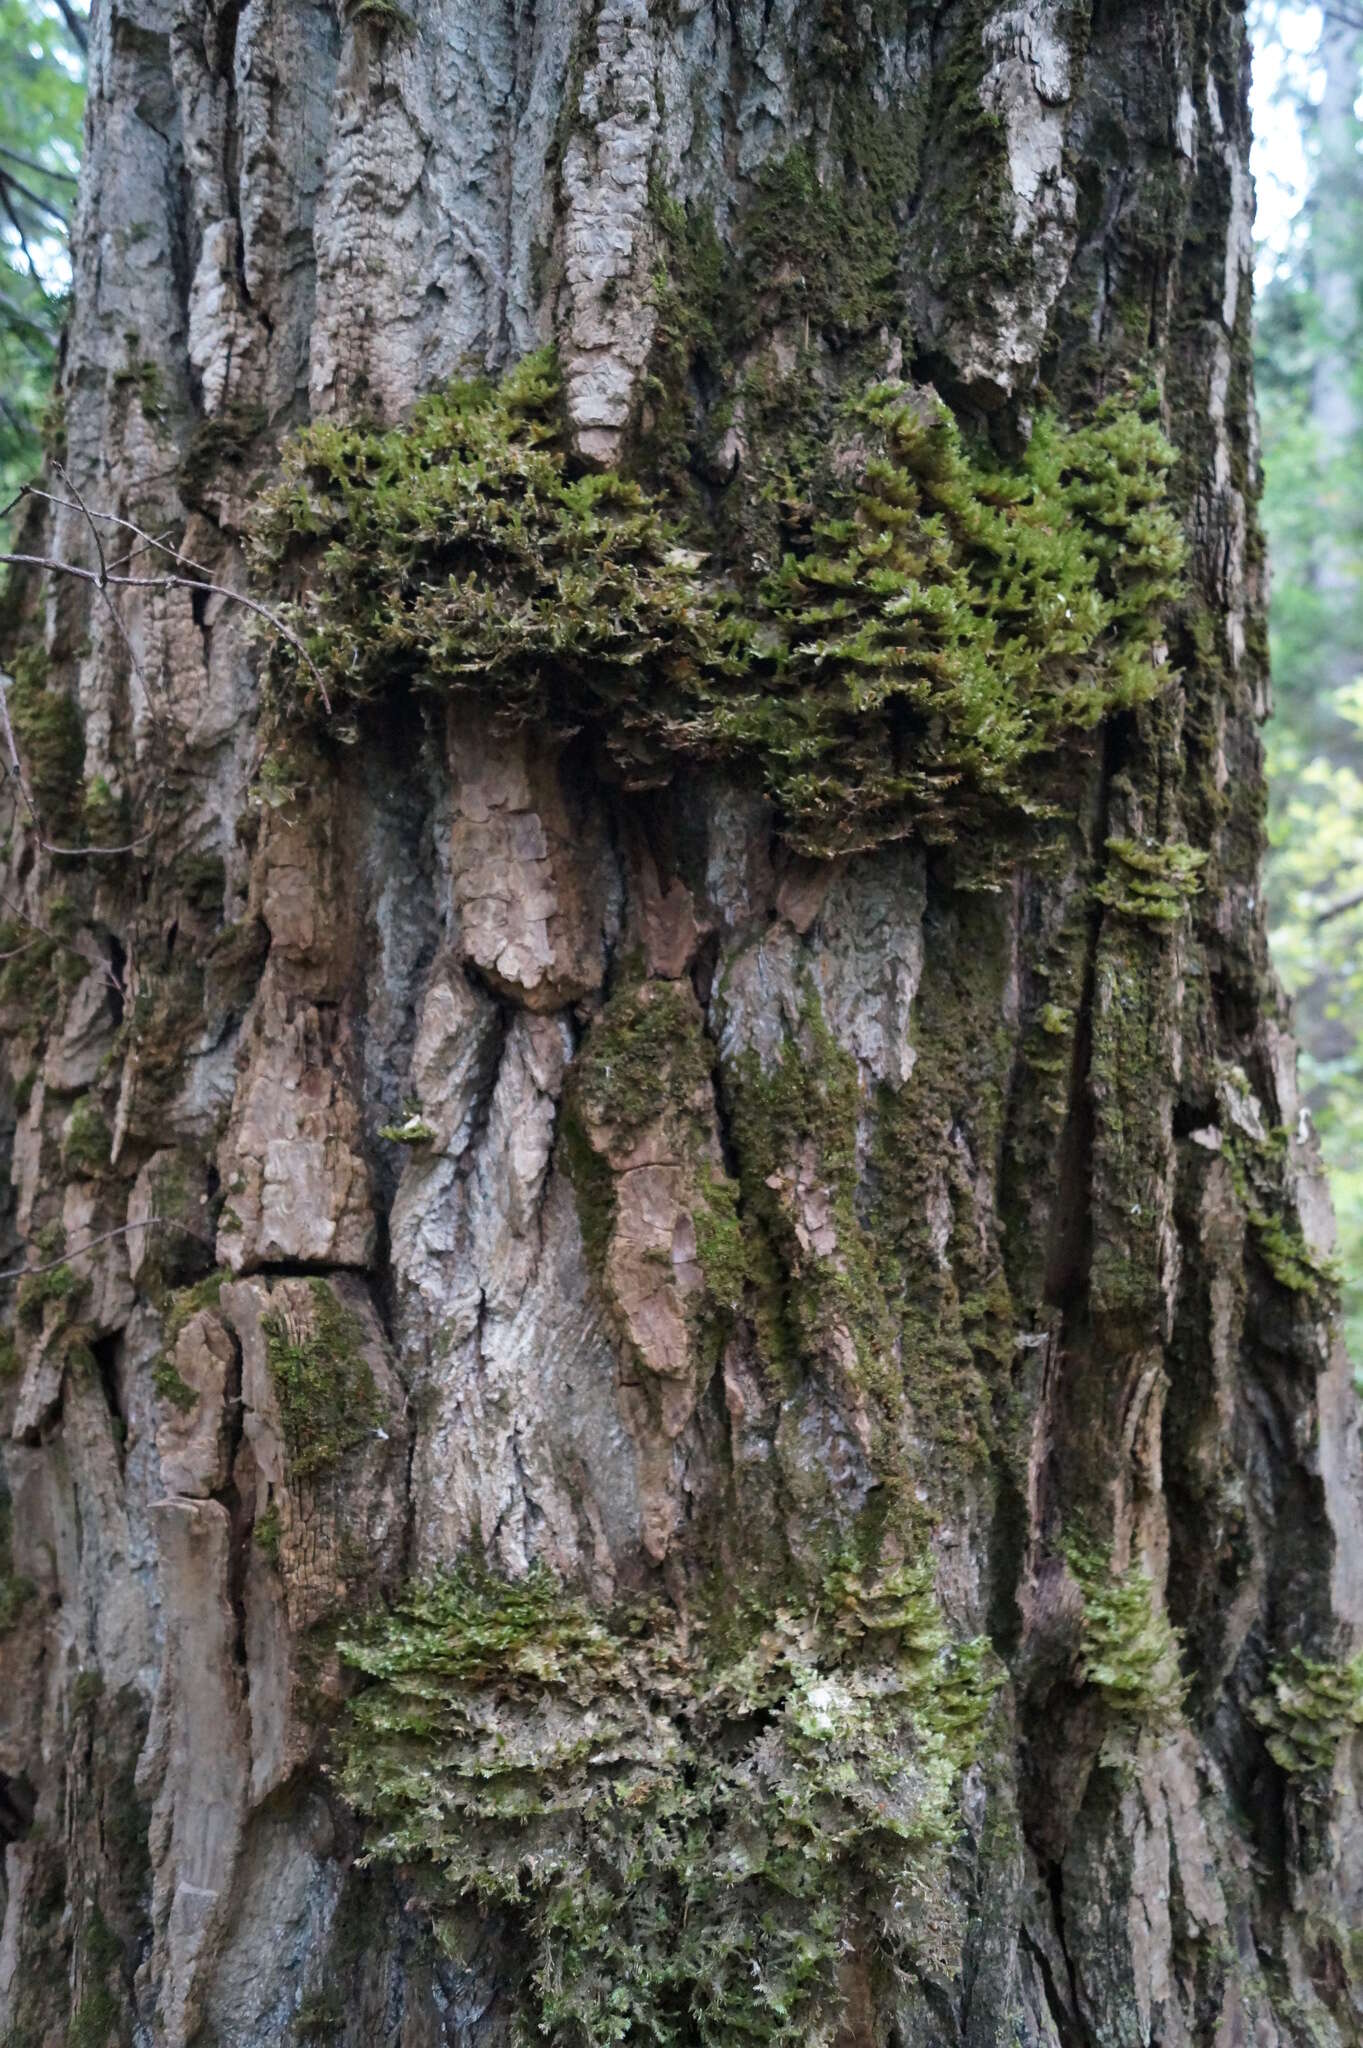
[(1128, 1651), (944, 628), (685, 1831), (1312, 1705), (328, 1401)]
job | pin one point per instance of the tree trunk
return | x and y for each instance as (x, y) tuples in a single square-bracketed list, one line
[(701, 1405)]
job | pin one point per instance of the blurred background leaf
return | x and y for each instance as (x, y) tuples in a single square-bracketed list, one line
[(42, 99), (1309, 366)]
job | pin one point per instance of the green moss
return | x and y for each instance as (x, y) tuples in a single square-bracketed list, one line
[(328, 1402), (267, 1533), (686, 1833), (144, 379), (1153, 884), (942, 629), (104, 816), (794, 1125), (645, 1054), (23, 1089), (647, 1065), (96, 2019), (1128, 1651), (217, 452), (51, 741), (937, 1245), (86, 1139), (319, 2016), (383, 16), (202, 878), (1259, 1174), (38, 1291), (15, 1590), (186, 1303), (170, 1387), (87, 1691), (413, 1130), (1311, 1707)]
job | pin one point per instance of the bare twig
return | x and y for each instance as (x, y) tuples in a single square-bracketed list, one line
[(104, 1236), (75, 25), (18, 227), (1339, 909), (46, 206), (85, 511), (56, 567), (25, 917), (31, 164)]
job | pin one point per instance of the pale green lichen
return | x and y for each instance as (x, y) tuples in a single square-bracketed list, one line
[(685, 1831), (944, 626), (1311, 1707)]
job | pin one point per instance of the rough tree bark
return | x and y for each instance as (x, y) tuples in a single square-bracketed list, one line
[(846, 1325)]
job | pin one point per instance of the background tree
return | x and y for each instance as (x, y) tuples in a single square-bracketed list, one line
[(673, 1378)]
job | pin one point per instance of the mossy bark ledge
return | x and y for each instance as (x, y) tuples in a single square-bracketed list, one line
[(676, 1383)]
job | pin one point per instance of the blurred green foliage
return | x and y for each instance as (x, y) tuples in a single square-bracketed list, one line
[(1309, 370), (42, 99)]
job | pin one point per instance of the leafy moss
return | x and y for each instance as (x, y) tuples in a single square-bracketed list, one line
[(40, 1290), (413, 1130), (15, 1590), (684, 1831), (1258, 1161), (328, 1402), (267, 1533), (943, 627), (170, 1387), (1312, 1705), (647, 1064), (51, 740), (186, 1303), (86, 1139), (1129, 1652), (1153, 884)]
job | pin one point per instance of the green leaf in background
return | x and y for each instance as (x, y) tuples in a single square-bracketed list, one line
[(42, 98), (1309, 375)]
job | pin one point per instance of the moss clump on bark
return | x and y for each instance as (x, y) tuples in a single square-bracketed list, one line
[(817, 1292), (686, 1835), (328, 1401), (944, 625), (171, 1387), (15, 1590), (186, 1303), (51, 741), (1311, 1707), (86, 1139), (1129, 1651), (1258, 1162), (1152, 883), (646, 1066)]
